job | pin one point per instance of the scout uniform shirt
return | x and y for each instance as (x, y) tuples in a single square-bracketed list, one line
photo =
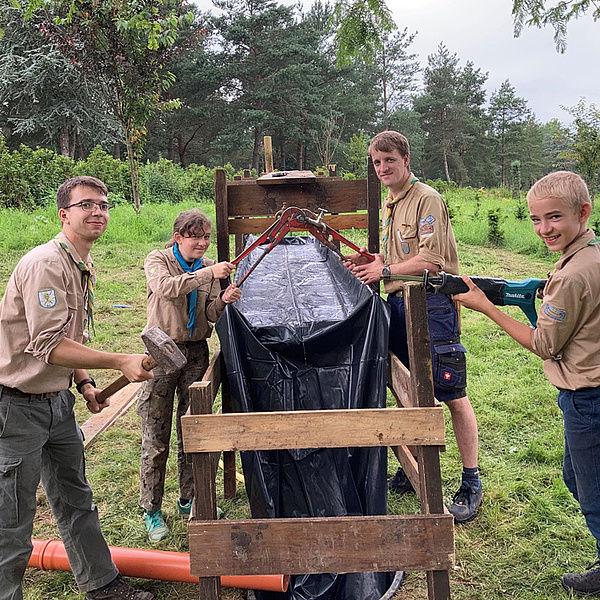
[(44, 303), (167, 288), (421, 226), (568, 326)]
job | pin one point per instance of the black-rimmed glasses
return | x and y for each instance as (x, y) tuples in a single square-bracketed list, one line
[(91, 206)]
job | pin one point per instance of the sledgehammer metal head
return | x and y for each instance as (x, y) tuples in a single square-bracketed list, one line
[(163, 350), (163, 353)]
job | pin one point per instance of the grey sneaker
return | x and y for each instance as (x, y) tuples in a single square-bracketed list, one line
[(466, 502), (583, 584), (118, 589), (155, 525)]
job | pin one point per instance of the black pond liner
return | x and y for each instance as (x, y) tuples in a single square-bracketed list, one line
[(306, 334)]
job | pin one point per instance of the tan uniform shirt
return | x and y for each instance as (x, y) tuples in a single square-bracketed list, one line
[(168, 286), (568, 327), (421, 226), (44, 303)]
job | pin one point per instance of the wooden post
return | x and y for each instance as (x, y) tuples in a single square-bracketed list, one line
[(430, 478), (204, 507), (222, 215), (268, 154), (332, 170), (373, 204)]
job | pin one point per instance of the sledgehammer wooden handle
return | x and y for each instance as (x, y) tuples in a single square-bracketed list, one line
[(148, 363)]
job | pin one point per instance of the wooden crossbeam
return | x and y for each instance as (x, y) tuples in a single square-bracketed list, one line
[(260, 224), (321, 545), (313, 429)]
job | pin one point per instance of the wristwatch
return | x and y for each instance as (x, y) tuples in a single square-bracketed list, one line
[(385, 272)]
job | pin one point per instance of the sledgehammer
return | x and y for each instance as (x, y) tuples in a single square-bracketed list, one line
[(163, 352)]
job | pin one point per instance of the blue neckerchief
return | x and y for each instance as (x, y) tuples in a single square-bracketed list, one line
[(192, 297)]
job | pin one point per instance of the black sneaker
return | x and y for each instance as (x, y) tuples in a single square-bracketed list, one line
[(583, 584), (400, 484), (118, 589), (466, 502)]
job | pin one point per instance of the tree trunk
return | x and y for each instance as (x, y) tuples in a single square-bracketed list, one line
[(117, 151), (64, 141), (299, 163), (257, 147), (79, 146), (181, 150), (170, 149), (133, 168), (446, 171)]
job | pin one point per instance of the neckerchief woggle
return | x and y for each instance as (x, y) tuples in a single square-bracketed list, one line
[(89, 277), (192, 297)]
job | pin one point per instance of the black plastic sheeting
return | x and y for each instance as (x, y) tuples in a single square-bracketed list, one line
[(306, 334)]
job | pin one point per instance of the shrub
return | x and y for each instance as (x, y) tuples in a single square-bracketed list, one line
[(162, 181), (112, 171), (495, 233)]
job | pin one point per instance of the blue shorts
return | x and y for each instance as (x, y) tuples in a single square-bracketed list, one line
[(448, 360)]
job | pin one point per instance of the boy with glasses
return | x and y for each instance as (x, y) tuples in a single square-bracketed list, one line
[(43, 316)]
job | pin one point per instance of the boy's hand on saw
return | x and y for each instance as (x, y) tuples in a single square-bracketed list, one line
[(474, 299)]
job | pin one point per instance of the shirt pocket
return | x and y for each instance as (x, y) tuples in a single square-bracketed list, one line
[(406, 237), (9, 497), (76, 326)]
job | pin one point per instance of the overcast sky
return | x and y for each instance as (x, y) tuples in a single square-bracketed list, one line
[(482, 31)]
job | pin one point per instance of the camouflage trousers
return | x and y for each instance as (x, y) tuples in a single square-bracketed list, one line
[(155, 403)]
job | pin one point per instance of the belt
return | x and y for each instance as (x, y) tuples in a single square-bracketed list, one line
[(16, 393)]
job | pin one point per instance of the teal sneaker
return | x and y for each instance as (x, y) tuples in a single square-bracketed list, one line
[(185, 508), (155, 525)]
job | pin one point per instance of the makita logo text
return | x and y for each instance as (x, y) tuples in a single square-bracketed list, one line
[(509, 295)]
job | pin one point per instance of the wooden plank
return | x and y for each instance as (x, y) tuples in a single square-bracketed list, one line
[(248, 199), (313, 429), (120, 403), (286, 177), (205, 501), (399, 380), (260, 224), (321, 545)]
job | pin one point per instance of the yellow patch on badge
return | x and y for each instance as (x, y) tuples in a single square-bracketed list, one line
[(47, 298), (152, 270)]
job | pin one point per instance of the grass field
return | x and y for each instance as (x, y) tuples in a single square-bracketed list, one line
[(529, 530)]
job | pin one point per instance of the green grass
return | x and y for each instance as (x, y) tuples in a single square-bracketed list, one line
[(529, 530)]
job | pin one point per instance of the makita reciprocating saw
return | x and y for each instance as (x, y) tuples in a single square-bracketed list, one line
[(500, 292)]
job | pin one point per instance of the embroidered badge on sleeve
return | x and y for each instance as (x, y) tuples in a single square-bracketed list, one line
[(426, 228), (554, 313), (47, 298)]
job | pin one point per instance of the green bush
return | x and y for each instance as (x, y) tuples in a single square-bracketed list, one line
[(163, 182), (201, 183), (112, 171), (28, 177)]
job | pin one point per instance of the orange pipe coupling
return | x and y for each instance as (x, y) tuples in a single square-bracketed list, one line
[(50, 555)]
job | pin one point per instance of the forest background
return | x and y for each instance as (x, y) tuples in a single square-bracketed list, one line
[(262, 68)]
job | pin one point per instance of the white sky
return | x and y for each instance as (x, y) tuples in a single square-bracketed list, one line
[(482, 31)]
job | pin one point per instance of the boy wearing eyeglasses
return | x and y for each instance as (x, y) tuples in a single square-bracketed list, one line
[(184, 298), (45, 310)]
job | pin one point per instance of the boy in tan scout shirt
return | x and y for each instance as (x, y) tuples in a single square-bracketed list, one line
[(48, 300), (567, 338), (417, 235), (184, 298)]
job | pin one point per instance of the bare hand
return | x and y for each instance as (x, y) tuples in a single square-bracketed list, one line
[(231, 294), (474, 299), (370, 271), (90, 393), (222, 270), (131, 366)]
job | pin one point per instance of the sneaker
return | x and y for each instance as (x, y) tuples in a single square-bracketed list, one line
[(118, 589), (156, 526), (400, 484), (583, 584), (185, 508), (466, 502)]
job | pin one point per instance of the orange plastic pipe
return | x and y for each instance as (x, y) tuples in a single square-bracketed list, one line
[(50, 555)]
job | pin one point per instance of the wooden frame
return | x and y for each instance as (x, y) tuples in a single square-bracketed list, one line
[(319, 545)]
